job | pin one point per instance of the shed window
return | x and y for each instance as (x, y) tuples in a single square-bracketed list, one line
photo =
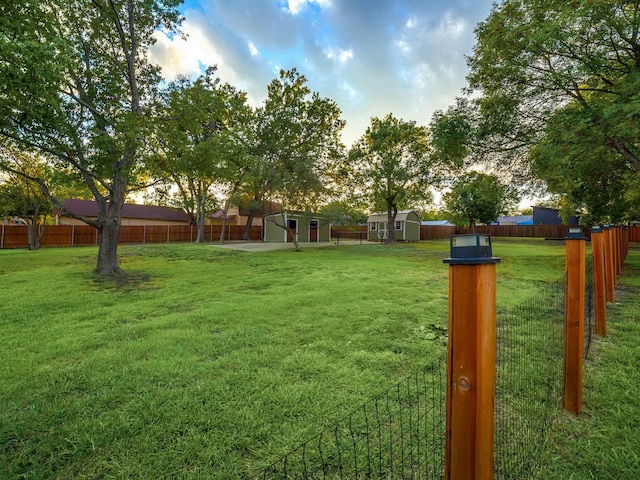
[(398, 224), (382, 225), (372, 226)]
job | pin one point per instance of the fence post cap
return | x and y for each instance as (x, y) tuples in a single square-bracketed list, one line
[(470, 249), (575, 233)]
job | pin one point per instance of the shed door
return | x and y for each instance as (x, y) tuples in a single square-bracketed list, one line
[(293, 230), (313, 231)]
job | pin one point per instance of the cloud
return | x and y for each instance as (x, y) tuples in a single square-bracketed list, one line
[(252, 48), (371, 57), (341, 56)]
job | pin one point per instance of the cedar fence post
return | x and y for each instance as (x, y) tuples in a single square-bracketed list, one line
[(609, 264), (616, 246), (574, 319), (599, 280), (471, 359)]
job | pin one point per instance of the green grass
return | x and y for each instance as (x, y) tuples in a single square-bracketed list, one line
[(603, 443), (206, 363)]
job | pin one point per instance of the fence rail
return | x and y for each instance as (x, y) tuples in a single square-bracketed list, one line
[(16, 236), (533, 231), (428, 232), (350, 235)]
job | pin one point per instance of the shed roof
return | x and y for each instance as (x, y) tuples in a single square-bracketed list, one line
[(382, 217), (514, 219), (311, 215), (89, 208), (437, 223)]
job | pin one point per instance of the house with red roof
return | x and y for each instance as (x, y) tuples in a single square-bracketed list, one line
[(132, 214)]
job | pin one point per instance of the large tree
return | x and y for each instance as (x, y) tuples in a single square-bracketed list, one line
[(478, 198), (203, 143), (539, 68), (390, 165), (590, 178), (22, 197), (297, 146), (76, 84)]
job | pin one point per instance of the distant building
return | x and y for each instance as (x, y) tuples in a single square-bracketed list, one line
[(306, 228), (407, 226), (515, 220), (550, 216), (436, 223), (132, 214)]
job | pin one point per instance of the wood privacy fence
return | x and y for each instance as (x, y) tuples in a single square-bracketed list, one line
[(426, 232), (534, 231), (15, 236)]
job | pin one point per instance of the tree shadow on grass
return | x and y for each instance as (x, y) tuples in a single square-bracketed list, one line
[(123, 282)]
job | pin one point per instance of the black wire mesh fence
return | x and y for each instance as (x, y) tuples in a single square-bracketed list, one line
[(589, 307), (529, 380), (398, 434)]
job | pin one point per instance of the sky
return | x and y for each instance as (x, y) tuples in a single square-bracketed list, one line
[(372, 57)]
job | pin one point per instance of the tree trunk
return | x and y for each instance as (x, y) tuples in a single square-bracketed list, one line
[(225, 211), (200, 234), (34, 233), (109, 228), (294, 237), (392, 211), (200, 221), (247, 228), (201, 215), (108, 249), (290, 233)]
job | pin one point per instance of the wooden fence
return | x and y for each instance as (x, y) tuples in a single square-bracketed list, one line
[(426, 232), (15, 236), (429, 232), (533, 231)]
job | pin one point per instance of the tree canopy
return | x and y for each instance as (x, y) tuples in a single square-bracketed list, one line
[(203, 143), (297, 145), (478, 198), (391, 167), (559, 76), (76, 84)]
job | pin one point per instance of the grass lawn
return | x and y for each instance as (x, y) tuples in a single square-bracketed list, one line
[(603, 443), (207, 363)]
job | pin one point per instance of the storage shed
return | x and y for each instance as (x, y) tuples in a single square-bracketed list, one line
[(407, 226), (307, 228)]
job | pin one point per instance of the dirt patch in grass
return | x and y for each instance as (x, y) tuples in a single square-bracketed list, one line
[(123, 282)]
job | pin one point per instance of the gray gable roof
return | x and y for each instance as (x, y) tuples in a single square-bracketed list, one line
[(382, 217)]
